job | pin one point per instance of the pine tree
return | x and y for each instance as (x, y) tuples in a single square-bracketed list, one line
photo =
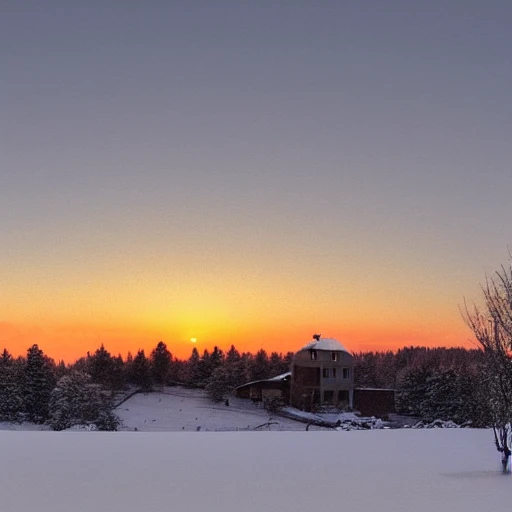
[(193, 371), (38, 384), (140, 371), (443, 399), (412, 390), (232, 355), (216, 359), (218, 386), (161, 362), (76, 400), (118, 377), (235, 367), (205, 370), (260, 366), (6, 358), (11, 399), (60, 370), (275, 364), (100, 367)]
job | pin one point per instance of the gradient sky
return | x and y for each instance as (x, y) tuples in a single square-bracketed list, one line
[(250, 172)]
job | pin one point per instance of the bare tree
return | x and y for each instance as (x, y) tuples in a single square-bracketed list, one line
[(492, 327)]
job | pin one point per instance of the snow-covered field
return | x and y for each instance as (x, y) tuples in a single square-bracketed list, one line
[(155, 469), (385, 470), (181, 409)]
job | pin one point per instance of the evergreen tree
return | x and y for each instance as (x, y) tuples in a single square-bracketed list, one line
[(216, 359), (6, 358), (179, 372), (235, 368), (101, 367), (76, 400), (219, 384), (118, 377), (260, 366), (140, 371), (38, 384), (232, 355), (412, 390), (61, 370), (11, 399), (275, 364), (205, 369), (161, 362), (193, 371), (80, 365), (443, 398)]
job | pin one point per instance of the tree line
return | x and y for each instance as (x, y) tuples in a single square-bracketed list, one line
[(37, 389), (432, 383)]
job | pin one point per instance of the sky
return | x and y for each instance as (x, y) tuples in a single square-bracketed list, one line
[(250, 172)]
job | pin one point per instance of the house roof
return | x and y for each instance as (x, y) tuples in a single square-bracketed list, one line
[(277, 378), (329, 344), (280, 377)]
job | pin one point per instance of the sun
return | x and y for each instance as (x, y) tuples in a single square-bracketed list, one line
[(193, 340)]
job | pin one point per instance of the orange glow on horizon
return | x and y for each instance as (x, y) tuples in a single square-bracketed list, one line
[(74, 341)]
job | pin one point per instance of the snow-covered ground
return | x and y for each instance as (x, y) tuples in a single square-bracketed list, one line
[(181, 409), (383, 470), (26, 425)]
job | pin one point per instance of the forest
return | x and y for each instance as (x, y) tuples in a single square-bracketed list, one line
[(431, 383)]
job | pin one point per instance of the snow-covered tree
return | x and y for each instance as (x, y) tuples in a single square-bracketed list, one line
[(260, 368), (193, 369), (38, 383), (76, 400), (11, 399), (6, 357), (208, 364), (204, 370), (446, 398), (161, 361), (412, 390), (218, 386), (492, 327), (237, 368), (140, 371), (104, 369)]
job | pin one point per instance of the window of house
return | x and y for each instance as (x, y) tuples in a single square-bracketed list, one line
[(334, 356), (342, 396), (313, 355), (325, 373), (333, 373), (346, 373), (328, 396)]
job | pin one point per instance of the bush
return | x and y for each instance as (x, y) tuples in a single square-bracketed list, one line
[(273, 404)]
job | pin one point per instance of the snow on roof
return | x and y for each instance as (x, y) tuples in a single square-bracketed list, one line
[(329, 344), (280, 377), (277, 378)]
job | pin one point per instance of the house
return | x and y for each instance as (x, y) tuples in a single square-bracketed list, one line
[(322, 374), (261, 390)]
